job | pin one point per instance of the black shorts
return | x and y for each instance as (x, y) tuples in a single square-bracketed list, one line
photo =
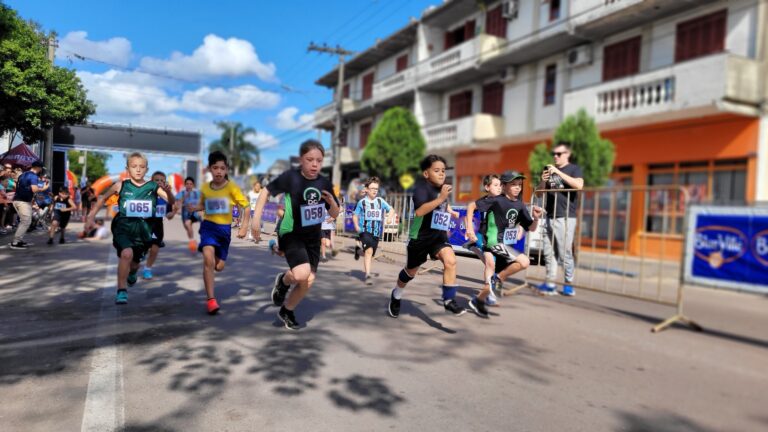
[(62, 218), (503, 255), (158, 231), (369, 241), (419, 250), (300, 249), (326, 234)]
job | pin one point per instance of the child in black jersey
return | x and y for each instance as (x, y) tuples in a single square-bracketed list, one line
[(63, 205)]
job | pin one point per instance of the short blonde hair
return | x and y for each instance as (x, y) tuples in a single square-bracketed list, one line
[(136, 155)]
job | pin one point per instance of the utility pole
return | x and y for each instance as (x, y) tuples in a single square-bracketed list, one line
[(48, 147), (232, 145), (336, 145), (83, 177)]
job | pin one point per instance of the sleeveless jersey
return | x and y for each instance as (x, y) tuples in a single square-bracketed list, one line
[(138, 201)]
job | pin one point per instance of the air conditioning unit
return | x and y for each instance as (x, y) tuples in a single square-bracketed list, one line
[(580, 56), (508, 75), (510, 9)]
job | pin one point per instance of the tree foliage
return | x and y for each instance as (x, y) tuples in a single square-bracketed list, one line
[(395, 147), (593, 153), (96, 166), (245, 153), (35, 95)]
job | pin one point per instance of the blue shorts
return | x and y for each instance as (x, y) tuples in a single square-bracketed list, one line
[(186, 215), (218, 236)]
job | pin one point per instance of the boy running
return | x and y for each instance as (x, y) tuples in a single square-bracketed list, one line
[(63, 206), (307, 194), (217, 199), (131, 233), (156, 222), (253, 198), (189, 197), (506, 214), (368, 220), (429, 235), (492, 185)]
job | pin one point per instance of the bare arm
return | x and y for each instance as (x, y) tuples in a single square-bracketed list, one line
[(113, 190), (257, 212), (427, 207)]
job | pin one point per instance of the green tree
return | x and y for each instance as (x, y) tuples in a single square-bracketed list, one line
[(395, 147), (96, 166), (245, 153), (35, 95), (593, 153)]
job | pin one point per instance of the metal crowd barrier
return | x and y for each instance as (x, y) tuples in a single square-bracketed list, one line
[(616, 230)]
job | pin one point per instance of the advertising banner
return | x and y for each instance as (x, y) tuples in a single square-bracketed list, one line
[(727, 247)]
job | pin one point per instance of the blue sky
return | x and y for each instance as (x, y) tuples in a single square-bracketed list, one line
[(185, 64)]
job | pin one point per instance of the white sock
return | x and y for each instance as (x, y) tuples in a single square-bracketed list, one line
[(397, 293), (146, 267)]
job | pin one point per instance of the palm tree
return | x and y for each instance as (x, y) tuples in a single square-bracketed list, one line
[(241, 153)]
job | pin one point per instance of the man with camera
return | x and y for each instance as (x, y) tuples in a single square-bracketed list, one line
[(560, 221), (27, 186)]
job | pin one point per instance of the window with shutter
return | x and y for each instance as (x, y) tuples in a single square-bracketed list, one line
[(550, 84), (493, 98), (368, 86), (622, 59), (460, 105), (701, 36)]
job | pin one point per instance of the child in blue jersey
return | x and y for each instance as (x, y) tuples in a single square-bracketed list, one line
[(429, 235), (162, 210), (369, 223), (492, 185), (187, 198)]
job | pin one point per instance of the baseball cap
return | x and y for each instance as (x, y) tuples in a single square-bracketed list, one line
[(510, 176), (38, 163)]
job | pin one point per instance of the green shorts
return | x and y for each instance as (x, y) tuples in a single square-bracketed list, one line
[(131, 233)]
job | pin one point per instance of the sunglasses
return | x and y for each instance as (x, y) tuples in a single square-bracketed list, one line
[(558, 154)]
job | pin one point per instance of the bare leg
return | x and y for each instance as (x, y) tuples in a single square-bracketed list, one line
[(302, 277), (209, 263), (124, 267), (367, 261)]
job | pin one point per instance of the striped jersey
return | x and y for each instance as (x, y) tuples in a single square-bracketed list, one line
[(371, 213)]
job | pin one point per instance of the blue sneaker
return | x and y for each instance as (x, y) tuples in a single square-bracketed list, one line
[(545, 289), (147, 273), (132, 278), (491, 300), (121, 297), (272, 245), (496, 283), (568, 291)]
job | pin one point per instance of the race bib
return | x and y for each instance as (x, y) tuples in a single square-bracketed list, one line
[(60, 206), (138, 208), (441, 221), (328, 225), (312, 214), (373, 214), (160, 210), (510, 236), (214, 206)]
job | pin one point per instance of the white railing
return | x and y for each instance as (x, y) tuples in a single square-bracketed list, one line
[(394, 85), (463, 131), (461, 57), (656, 92)]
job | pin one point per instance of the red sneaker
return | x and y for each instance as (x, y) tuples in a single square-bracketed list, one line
[(213, 306), (192, 246)]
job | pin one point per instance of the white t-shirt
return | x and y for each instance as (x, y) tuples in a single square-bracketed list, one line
[(253, 197)]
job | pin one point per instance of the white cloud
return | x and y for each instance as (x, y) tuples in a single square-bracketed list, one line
[(116, 51), (216, 57), (127, 93), (223, 101), (286, 119), (263, 140)]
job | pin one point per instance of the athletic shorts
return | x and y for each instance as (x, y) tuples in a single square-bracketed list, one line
[(218, 236), (133, 233), (326, 234), (505, 255), (192, 216), (62, 217), (158, 231), (421, 249), (300, 249), (369, 241)]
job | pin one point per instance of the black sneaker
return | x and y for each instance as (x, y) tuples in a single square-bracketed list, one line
[(19, 245), (62, 241), (368, 280), (288, 318), (279, 290), (394, 305), (357, 253), (454, 308), (478, 306), (50, 241)]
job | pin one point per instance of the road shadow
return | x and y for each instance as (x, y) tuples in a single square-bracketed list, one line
[(363, 393), (658, 422)]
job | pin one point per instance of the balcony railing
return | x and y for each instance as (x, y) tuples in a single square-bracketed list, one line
[(703, 82), (459, 58), (463, 131), (395, 85)]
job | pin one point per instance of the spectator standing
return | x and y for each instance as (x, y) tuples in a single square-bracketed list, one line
[(560, 221), (26, 188), (4, 201)]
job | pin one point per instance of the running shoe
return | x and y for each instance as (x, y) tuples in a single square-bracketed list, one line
[(479, 307), (357, 253), (568, 291), (394, 305), (279, 290), (288, 318), (368, 280), (132, 278), (496, 283), (454, 308), (147, 273), (491, 300), (545, 289), (213, 306), (50, 241), (192, 246), (62, 241), (19, 245), (272, 246), (121, 297)]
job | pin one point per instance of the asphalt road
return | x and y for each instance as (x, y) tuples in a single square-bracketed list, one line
[(71, 360)]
